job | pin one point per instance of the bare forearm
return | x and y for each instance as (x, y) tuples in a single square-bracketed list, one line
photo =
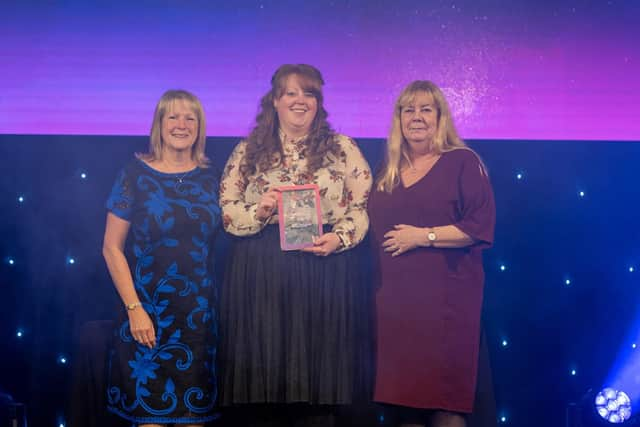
[(120, 274)]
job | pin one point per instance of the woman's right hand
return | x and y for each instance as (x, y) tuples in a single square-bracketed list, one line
[(267, 206), (141, 327)]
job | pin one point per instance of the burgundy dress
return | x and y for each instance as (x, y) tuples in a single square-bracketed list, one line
[(429, 299)]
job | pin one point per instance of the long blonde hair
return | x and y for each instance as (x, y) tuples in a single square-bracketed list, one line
[(445, 139), (164, 105)]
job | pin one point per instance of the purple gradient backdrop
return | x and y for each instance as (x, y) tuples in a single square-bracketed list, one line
[(511, 70)]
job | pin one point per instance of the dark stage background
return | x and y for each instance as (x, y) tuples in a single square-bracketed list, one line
[(539, 87), (550, 340)]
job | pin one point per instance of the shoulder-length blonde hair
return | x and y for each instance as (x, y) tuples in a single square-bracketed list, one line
[(445, 139), (164, 105), (263, 143)]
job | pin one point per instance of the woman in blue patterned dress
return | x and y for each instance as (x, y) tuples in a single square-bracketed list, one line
[(161, 369)]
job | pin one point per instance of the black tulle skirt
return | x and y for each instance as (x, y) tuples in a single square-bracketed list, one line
[(295, 327)]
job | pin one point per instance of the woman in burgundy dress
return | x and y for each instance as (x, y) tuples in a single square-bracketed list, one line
[(432, 212)]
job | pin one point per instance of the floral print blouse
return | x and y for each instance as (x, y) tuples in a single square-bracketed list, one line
[(344, 182)]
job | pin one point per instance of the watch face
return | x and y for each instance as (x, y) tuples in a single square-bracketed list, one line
[(431, 236)]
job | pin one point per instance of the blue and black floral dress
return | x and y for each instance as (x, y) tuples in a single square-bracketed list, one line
[(174, 218)]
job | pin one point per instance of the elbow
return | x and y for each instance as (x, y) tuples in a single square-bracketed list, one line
[(105, 252), (468, 240), (108, 251), (483, 243), (238, 232), (227, 226), (227, 222), (235, 229)]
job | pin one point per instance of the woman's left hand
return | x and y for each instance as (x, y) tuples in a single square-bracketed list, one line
[(403, 238), (324, 245)]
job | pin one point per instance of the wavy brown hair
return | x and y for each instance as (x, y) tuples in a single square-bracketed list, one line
[(264, 149)]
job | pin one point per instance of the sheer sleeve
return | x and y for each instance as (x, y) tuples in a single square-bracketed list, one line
[(238, 216), (476, 208), (121, 199), (353, 226)]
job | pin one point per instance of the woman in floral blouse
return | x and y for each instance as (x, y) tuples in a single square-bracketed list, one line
[(296, 325)]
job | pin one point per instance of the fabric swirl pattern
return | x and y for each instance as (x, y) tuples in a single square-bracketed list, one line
[(174, 218)]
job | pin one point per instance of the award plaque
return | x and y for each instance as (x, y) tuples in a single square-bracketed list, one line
[(299, 216)]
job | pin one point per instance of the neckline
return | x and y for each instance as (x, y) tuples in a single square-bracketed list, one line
[(406, 187), (170, 174), (288, 139)]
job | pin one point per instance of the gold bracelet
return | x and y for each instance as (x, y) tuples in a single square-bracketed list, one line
[(133, 306)]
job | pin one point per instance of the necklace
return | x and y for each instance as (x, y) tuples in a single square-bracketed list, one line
[(181, 178)]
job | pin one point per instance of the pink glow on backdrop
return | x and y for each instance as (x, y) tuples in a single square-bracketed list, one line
[(522, 71)]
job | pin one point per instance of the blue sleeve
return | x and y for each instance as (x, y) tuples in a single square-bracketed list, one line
[(121, 199)]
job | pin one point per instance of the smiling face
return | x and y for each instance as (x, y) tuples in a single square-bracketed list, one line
[(419, 122), (179, 126), (296, 108)]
